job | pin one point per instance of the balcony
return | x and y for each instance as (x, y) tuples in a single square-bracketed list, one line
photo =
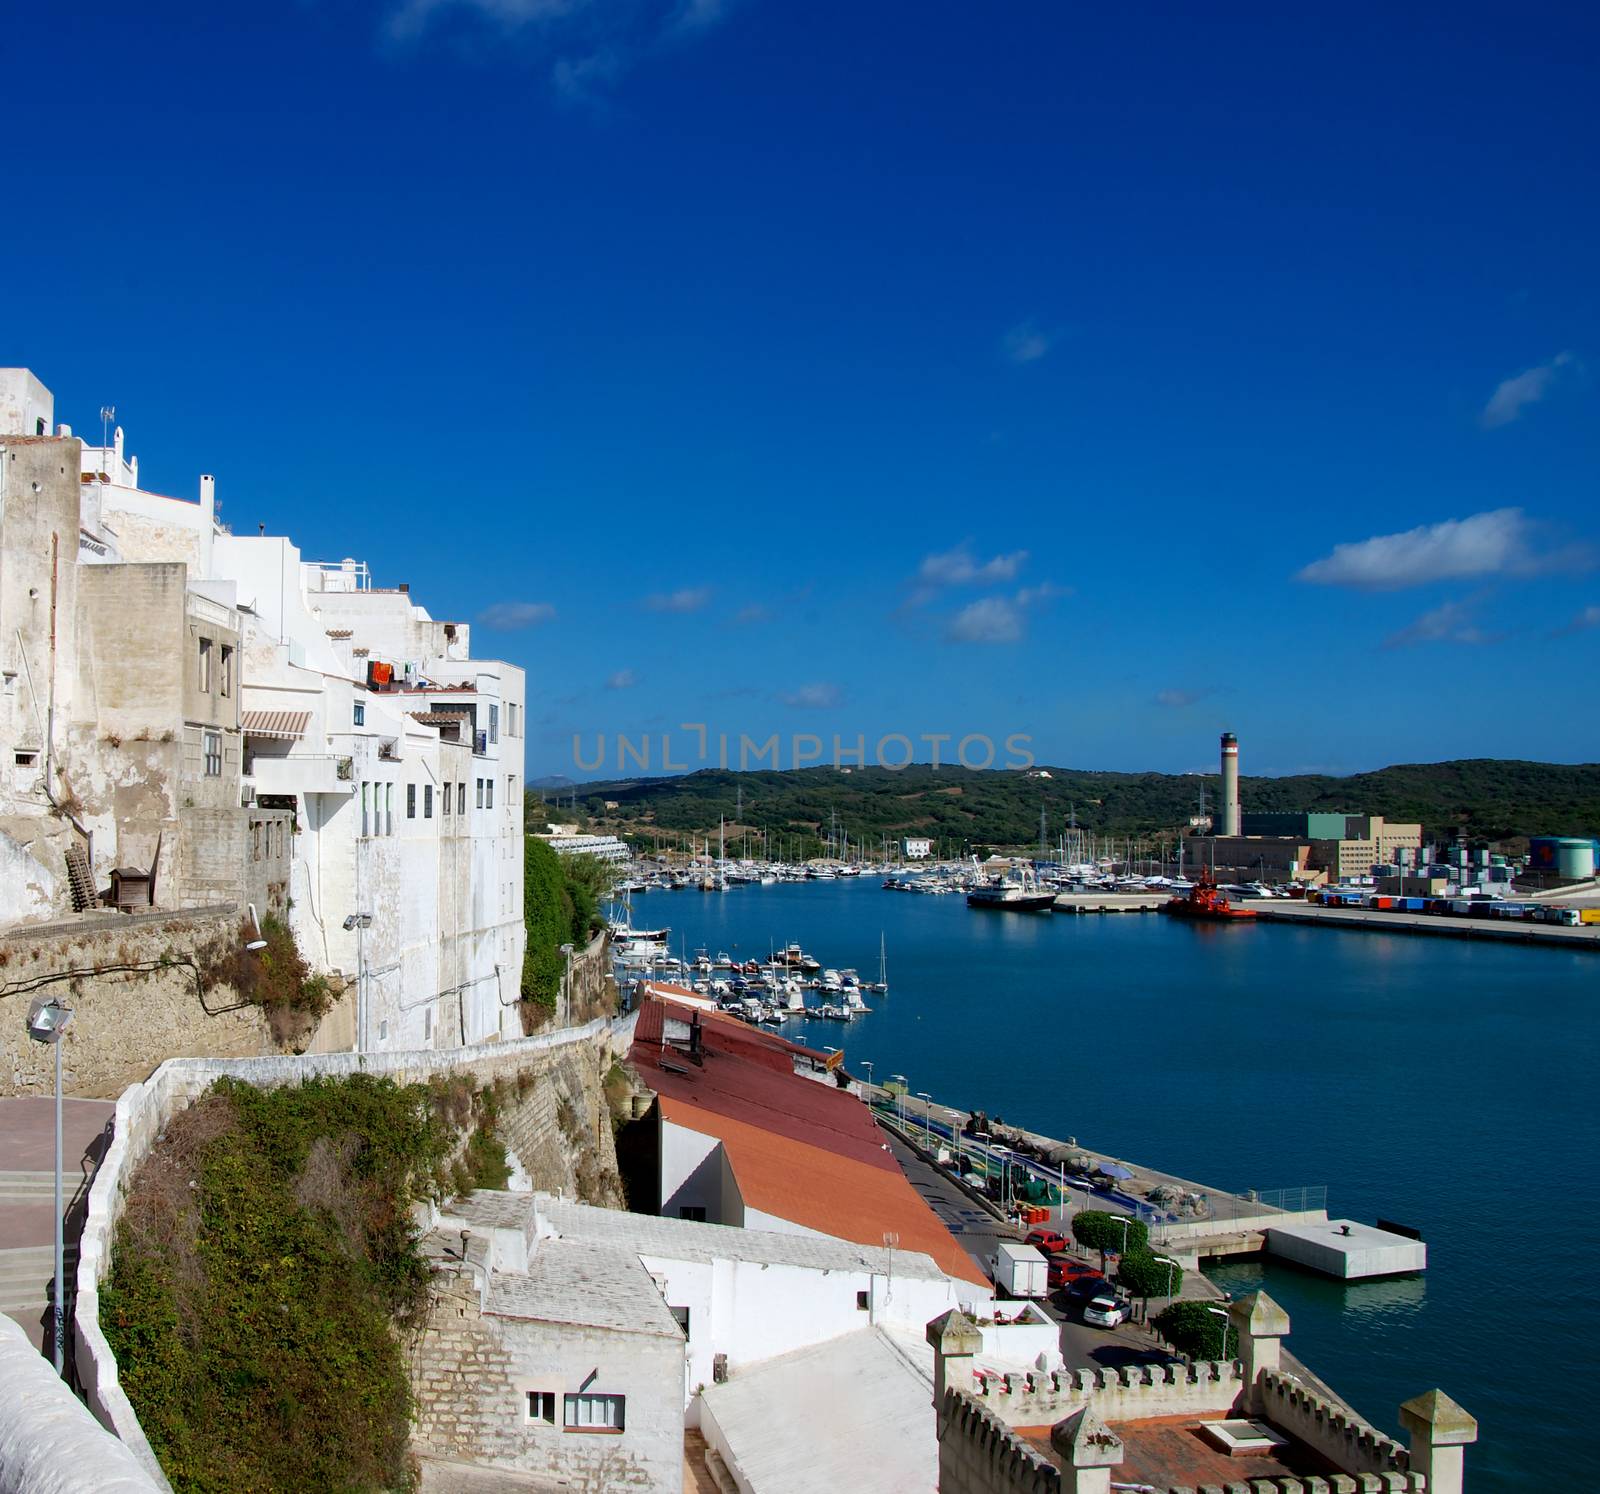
[(310, 773)]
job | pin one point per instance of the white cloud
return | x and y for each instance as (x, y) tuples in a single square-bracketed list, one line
[(817, 697), (960, 567), (1483, 545), (999, 619), (991, 620), (1176, 700), (623, 679), (685, 599), (1027, 342), (1512, 396), (508, 617), (1450, 622), (1588, 617), (587, 45), (750, 615)]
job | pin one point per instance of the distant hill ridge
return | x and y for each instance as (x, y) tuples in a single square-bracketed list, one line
[(1481, 798)]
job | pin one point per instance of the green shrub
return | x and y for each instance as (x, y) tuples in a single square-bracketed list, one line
[(1194, 1329), (260, 1271), (1145, 1276), (1095, 1229)]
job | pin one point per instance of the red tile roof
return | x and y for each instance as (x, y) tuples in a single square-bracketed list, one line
[(800, 1149)]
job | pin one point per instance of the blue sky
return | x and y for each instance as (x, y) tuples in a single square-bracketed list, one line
[(1106, 376)]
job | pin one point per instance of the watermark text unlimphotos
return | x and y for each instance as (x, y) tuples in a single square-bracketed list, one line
[(696, 746)]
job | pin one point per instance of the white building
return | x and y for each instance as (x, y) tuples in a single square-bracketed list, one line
[(299, 695), (569, 842), (916, 849)]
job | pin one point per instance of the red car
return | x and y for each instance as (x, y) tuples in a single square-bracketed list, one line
[(1048, 1240), (1065, 1270)]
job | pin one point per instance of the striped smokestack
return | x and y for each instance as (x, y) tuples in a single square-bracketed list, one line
[(1230, 783)]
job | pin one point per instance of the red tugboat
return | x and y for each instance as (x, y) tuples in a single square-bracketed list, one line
[(1207, 902)]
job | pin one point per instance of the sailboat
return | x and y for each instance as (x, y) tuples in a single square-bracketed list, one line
[(881, 984)]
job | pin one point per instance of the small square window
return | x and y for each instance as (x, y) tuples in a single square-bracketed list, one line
[(542, 1406), (682, 1316), (863, 1302), (359, 713)]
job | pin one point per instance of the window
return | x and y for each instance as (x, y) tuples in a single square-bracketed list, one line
[(205, 666), (494, 723), (227, 669), (255, 842), (366, 821), (359, 713), (511, 718), (488, 793), (411, 801), (696, 1212), (461, 798), (444, 799), (591, 1413), (542, 1406), (427, 801), (480, 793), (863, 1302), (388, 808), (27, 759), (682, 1315), (213, 746)]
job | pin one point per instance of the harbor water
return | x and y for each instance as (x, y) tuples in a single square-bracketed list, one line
[(1443, 1084)]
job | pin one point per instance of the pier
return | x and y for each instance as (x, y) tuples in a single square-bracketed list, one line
[(1382, 921), (1110, 902)]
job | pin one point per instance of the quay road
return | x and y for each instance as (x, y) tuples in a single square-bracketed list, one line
[(978, 1231)]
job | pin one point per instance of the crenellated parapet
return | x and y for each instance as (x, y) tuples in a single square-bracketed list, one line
[(1127, 1393), (1343, 1439), (978, 1453)]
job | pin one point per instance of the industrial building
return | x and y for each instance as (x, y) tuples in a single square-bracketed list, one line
[(1301, 845)]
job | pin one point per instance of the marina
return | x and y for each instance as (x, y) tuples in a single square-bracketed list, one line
[(1271, 1058)]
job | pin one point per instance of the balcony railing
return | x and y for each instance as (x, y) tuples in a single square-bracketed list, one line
[(308, 773)]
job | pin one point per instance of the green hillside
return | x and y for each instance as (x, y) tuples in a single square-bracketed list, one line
[(1480, 798)]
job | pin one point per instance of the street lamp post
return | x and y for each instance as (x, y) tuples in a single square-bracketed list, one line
[(360, 922), (47, 1021), (1218, 1312), (867, 1065), (1172, 1266), (927, 1116), (900, 1098)]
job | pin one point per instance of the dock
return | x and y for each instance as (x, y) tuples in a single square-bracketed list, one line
[(1382, 921), (1110, 902), (1227, 1225)]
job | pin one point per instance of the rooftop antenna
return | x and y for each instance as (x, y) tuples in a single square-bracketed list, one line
[(108, 413)]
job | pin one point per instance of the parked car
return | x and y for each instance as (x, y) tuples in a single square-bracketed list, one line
[(1105, 1311), (1083, 1288), (1066, 1269), (1048, 1240)]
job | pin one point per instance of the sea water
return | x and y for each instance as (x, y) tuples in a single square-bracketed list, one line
[(1446, 1084)]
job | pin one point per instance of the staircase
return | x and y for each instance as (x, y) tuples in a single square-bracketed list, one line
[(80, 878)]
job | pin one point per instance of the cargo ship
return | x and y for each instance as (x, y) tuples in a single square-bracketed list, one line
[(1207, 902)]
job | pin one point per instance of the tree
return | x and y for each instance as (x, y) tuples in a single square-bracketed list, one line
[(1096, 1229), (589, 881), (1146, 1275), (1193, 1328)]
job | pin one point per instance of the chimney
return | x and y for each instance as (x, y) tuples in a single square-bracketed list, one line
[(208, 518), (1230, 784)]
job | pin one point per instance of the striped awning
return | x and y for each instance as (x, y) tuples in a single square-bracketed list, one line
[(289, 725)]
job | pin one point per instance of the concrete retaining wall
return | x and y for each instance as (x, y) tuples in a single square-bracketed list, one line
[(144, 1110), (48, 1443)]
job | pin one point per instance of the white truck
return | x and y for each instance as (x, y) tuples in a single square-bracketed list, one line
[(1019, 1271)]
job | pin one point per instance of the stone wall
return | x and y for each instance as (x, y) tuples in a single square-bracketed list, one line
[(144, 1109), (1341, 1438), (130, 1012), (556, 1121), (471, 1374), (979, 1453)]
